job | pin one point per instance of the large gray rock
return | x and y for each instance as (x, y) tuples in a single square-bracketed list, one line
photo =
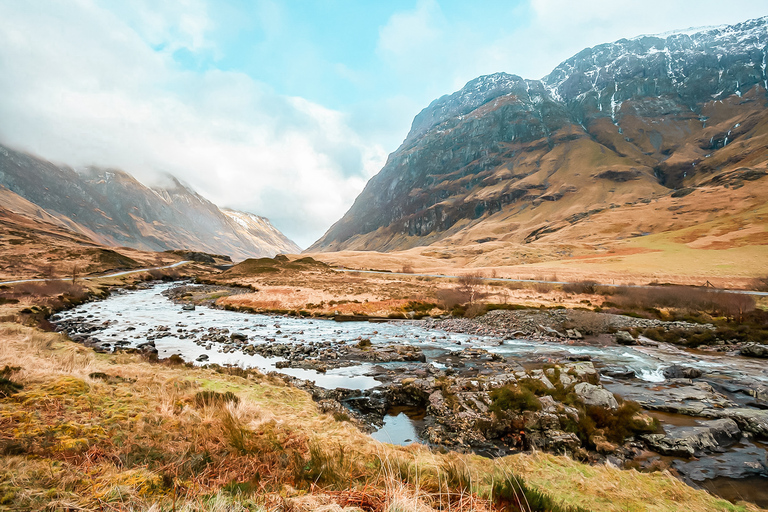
[(681, 372), (750, 420), (625, 338), (583, 371), (754, 350), (595, 395), (695, 441), (556, 441)]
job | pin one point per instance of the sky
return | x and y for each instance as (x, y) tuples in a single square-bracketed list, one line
[(279, 108)]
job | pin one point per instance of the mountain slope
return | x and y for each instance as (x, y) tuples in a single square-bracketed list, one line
[(113, 208), (263, 230), (622, 125)]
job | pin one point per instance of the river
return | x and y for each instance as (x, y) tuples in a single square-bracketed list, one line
[(129, 318)]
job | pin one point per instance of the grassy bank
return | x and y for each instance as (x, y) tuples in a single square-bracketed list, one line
[(93, 431)]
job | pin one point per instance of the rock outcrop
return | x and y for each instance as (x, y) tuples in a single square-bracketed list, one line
[(696, 441)]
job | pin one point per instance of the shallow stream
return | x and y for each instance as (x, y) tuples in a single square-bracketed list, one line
[(127, 318)]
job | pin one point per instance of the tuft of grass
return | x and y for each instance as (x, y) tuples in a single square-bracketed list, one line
[(208, 398), (513, 494), (7, 386)]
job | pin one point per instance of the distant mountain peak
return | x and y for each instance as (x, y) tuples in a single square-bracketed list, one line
[(474, 94)]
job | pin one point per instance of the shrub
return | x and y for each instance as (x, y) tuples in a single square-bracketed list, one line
[(513, 398), (451, 297), (475, 310), (615, 424), (760, 284), (621, 423), (175, 360), (685, 299), (470, 284), (581, 287), (586, 322)]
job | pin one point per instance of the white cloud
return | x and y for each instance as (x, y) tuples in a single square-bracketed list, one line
[(79, 85), (96, 82)]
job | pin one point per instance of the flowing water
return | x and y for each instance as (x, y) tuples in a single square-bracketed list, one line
[(127, 318), (133, 315)]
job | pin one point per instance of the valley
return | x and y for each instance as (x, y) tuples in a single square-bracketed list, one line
[(553, 297)]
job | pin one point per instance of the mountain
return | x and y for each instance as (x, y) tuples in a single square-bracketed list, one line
[(112, 208), (621, 140), (263, 230)]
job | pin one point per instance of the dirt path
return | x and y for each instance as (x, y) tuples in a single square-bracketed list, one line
[(117, 274)]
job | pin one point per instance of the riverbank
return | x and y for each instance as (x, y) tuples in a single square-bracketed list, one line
[(452, 377), (112, 431)]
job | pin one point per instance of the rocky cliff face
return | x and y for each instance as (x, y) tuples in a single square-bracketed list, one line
[(113, 208), (619, 124)]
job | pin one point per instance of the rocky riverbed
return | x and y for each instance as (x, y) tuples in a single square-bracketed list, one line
[(508, 381)]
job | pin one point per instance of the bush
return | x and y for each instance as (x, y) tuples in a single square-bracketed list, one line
[(513, 398), (760, 284), (621, 423), (449, 298), (475, 310), (586, 322), (470, 284), (688, 301), (615, 424), (581, 287)]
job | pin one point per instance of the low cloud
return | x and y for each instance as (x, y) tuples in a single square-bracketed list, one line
[(81, 86)]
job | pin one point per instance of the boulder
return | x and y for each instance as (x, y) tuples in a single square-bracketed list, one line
[(574, 334), (754, 350), (566, 380), (558, 441), (583, 371), (618, 372), (695, 441), (681, 372), (753, 421), (595, 395), (625, 338)]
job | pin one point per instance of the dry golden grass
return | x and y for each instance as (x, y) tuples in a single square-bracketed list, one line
[(113, 432)]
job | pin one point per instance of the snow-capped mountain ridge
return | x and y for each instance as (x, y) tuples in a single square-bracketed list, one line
[(714, 61), (692, 63)]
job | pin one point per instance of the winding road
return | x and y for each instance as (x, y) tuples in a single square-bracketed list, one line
[(510, 280), (116, 274)]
